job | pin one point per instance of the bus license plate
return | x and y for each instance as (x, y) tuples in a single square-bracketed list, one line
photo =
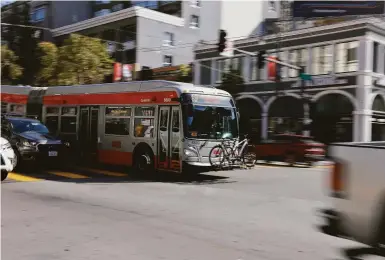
[(52, 153)]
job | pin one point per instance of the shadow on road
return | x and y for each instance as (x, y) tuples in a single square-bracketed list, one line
[(331, 228), (359, 253), (102, 174)]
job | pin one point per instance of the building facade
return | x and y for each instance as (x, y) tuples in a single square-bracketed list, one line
[(148, 33), (346, 61)]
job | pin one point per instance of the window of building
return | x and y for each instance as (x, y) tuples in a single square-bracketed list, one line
[(117, 7), (322, 60), (271, 5), (117, 121), (68, 120), (352, 55), (293, 56), (375, 56), (299, 58), (169, 39), (102, 12), (38, 14), (194, 23), (144, 122), (223, 66), (195, 3), (167, 60), (283, 69), (343, 62)]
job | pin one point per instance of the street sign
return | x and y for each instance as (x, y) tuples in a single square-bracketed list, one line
[(305, 76)]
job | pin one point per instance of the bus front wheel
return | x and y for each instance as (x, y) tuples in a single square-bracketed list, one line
[(144, 161)]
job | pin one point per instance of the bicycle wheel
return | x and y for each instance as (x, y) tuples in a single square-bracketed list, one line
[(217, 156), (249, 157)]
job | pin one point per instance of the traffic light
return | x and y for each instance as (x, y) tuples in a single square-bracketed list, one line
[(222, 41), (261, 59)]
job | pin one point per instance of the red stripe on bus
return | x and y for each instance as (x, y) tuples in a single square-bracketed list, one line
[(115, 157), (14, 98), (112, 98)]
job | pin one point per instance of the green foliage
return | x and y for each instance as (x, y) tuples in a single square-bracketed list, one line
[(232, 81), (22, 41), (48, 53), (10, 70), (185, 74), (83, 60)]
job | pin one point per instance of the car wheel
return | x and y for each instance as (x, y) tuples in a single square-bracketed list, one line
[(290, 159), (4, 174)]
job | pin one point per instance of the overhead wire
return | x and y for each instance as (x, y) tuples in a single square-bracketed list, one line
[(144, 49)]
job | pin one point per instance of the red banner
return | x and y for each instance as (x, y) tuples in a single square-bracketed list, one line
[(117, 72), (271, 68)]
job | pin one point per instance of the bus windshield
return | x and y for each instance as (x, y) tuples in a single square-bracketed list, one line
[(210, 122)]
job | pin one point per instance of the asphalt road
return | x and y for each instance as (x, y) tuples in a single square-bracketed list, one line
[(263, 213)]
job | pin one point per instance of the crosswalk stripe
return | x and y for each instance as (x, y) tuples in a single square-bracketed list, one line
[(69, 175), (19, 177), (109, 173)]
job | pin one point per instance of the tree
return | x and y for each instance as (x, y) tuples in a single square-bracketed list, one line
[(185, 74), (232, 81), (22, 40), (83, 60), (49, 54), (10, 70)]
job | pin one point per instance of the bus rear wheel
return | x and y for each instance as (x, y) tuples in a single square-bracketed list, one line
[(144, 161)]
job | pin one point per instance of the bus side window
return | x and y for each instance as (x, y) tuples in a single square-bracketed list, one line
[(175, 121)]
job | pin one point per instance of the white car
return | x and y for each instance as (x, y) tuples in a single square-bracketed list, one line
[(8, 158)]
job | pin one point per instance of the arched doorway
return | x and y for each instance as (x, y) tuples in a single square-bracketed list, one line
[(378, 118), (250, 122), (332, 119), (285, 116)]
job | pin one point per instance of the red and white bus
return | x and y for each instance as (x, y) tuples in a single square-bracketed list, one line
[(146, 124)]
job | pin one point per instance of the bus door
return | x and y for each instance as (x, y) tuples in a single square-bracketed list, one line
[(88, 131), (169, 138)]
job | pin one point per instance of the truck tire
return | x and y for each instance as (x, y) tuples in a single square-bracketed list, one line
[(379, 238)]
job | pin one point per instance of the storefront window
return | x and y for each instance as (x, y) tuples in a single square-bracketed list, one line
[(284, 125)]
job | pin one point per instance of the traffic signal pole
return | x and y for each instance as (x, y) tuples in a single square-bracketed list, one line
[(304, 77), (268, 59)]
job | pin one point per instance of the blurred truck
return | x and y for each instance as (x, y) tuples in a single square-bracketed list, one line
[(357, 189)]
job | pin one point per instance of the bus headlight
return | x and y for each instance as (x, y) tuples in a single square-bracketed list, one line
[(189, 152)]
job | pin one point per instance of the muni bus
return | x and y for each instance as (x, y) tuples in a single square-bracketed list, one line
[(146, 124)]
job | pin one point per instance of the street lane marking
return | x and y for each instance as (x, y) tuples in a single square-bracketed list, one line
[(19, 177), (69, 175), (109, 173)]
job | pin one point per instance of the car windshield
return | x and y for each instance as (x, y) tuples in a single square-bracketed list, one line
[(210, 122), (22, 126)]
